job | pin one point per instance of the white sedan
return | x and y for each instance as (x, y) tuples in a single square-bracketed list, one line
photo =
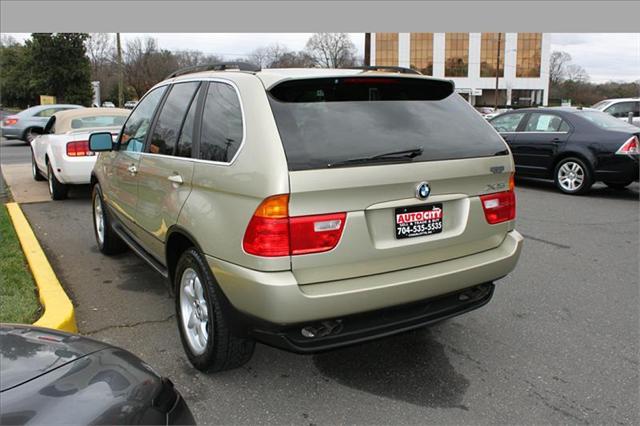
[(61, 154)]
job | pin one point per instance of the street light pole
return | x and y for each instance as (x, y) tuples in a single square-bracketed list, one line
[(497, 73), (120, 72)]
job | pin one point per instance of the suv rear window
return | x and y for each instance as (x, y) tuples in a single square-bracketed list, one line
[(332, 121)]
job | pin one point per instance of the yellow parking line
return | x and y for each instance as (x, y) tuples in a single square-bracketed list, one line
[(58, 309)]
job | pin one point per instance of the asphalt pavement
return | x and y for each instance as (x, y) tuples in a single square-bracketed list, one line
[(557, 344)]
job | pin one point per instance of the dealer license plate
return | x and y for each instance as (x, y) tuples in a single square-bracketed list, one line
[(417, 221)]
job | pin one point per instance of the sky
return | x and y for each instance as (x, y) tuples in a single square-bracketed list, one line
[(605, 57)]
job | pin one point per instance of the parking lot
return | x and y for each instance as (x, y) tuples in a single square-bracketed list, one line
[(557, 344)]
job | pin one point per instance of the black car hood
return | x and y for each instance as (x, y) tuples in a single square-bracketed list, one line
[(28, 352)]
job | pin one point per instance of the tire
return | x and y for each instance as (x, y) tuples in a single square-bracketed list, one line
[(57, 189), (35, 173), (209, 343), (618, 185), (107, 240), (573, 176)]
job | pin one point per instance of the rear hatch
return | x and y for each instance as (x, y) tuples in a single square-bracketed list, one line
[(367, 146)]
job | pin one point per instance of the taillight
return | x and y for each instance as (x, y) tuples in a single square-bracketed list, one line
[(630, 147), (10, 121), (78, 149), (268, 230), (315, 234), (499, 207), (272, 232)]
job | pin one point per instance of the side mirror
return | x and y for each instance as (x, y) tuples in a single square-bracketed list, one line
[(102, 141)]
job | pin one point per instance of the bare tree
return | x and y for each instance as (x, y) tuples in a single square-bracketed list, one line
[(146, 65), (100, 50), (189, 58), (269, 56), (577, 73), (558, 66), (332, 50)]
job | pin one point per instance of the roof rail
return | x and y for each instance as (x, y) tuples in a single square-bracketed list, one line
[(218, 66), (401, 70)]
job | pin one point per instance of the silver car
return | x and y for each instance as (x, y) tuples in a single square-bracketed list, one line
[(28, 124)]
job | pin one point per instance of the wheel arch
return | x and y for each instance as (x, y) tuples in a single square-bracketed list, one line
[(589, 162), (178, 240), (24, 134)]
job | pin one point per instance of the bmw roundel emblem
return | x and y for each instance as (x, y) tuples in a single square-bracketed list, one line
[(423, 190)]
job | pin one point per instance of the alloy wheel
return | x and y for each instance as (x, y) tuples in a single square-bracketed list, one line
[(571, 176), (194, 311), (99, 218)]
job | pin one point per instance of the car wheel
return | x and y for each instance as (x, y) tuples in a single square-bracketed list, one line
[(35, 173), (108, 241), (573, 176), (205, 329), (57, 189), (618, 185)]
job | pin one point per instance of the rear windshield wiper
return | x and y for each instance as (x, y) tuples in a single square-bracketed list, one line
[(404, 155)]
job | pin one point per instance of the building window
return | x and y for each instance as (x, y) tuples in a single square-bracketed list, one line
[(422, 52), (529, 54), (387, 49), (489, 54), (456, 55)]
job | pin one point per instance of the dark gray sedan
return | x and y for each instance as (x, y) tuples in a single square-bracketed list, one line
[(52, 377), (28, 124)]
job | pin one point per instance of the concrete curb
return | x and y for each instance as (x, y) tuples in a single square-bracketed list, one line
[(58, 309)]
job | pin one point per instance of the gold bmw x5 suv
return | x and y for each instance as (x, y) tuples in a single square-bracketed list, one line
[(307, 209)]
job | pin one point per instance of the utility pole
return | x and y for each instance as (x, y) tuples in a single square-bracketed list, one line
[(367, 49), (497, 72), (120, 72)]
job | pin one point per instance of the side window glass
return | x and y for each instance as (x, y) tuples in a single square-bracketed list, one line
[(185, 142), (507, 123), (543, 123), (137, 125), (620, 110), (221, 133), (564, 127), (167, 127)]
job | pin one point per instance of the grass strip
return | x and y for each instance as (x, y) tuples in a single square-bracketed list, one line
[(18, 298)]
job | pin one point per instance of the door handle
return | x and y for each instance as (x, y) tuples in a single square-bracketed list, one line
[(556, 140), (177, 179), (133, 170)]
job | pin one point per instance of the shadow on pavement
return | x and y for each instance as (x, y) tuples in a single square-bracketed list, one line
[(599, 190), (411, 367)]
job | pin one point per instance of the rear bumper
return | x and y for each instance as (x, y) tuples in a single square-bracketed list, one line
[(375, 324), (276, 297), (12, 132), (75, 171), (618, 168)]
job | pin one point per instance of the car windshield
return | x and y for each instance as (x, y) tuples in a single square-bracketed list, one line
[(98, 121), (606, 121), (600, 105), (360, 120)]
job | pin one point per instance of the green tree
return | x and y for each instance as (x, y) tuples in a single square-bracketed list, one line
[(60, 67), (15, 89)]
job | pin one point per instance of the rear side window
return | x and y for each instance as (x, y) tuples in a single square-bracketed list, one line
[(508, 122), (98, 121), (167, 128), (622, 109), (185, 142), (545, 123), (333, 121), (137, 126), (221, 133)]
